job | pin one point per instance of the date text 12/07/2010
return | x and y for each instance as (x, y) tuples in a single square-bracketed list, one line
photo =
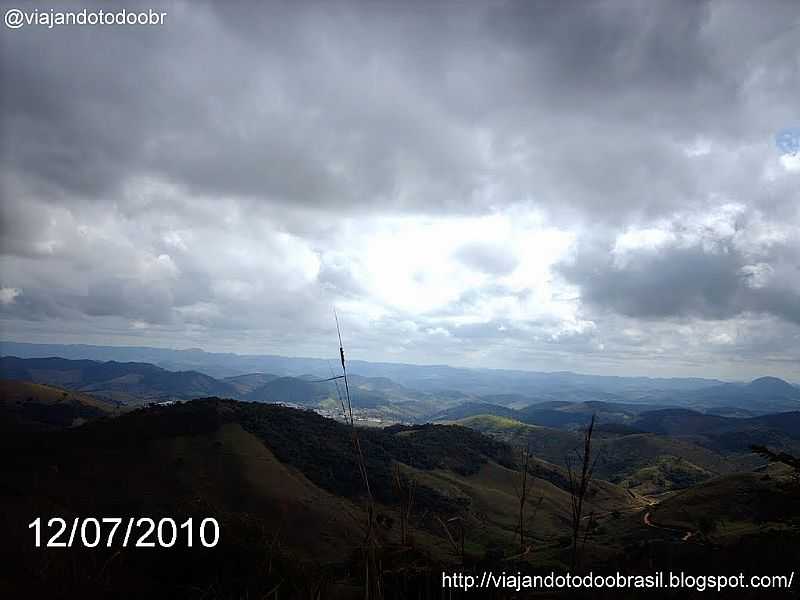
[(142, 532)]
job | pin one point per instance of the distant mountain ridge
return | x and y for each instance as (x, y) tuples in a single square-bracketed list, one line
[(132, 383), (765, 394), (126, 382), (685, 422), (439, 386), (773, 385), (425, 378)]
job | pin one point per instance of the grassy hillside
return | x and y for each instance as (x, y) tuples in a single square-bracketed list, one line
[(471, 409), (491, 495), (666, 473), (36, 406), (734, 505), (549, 444), (644, 462), (555, 414)]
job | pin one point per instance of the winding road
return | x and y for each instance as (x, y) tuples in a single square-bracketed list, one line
[(686, 534)]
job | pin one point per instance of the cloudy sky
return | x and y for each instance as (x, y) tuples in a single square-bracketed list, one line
[(592, 186)]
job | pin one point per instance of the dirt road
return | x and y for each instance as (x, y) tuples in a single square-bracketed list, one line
[(685, 534)]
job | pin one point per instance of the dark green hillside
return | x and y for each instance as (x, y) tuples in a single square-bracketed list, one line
[(322, 448), (788, 423), (729, 506), (726, 434), (679, 421), (645, 462), (548, 444), (614, 429), (34, 406)]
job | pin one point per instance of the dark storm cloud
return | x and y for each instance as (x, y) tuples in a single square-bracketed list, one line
[(601, 45), (676, 282), (219, 174), (708, 280), (273, 113), (350, 104)]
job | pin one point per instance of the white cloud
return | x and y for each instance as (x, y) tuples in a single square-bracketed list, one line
[(412, 265), (9, 295), (791, 162)]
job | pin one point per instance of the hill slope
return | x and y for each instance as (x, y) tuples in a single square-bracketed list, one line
[(36, 406), (644, 462)]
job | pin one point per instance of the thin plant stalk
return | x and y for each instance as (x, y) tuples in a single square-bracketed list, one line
[(522, 496), (362, 465), (579, 486)]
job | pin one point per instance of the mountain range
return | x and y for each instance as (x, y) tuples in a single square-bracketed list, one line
[(420, 382), (549, 399), (425, 378)]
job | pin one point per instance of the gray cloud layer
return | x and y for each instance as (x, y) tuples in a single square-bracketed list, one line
[(714, 275), (214, 182)]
